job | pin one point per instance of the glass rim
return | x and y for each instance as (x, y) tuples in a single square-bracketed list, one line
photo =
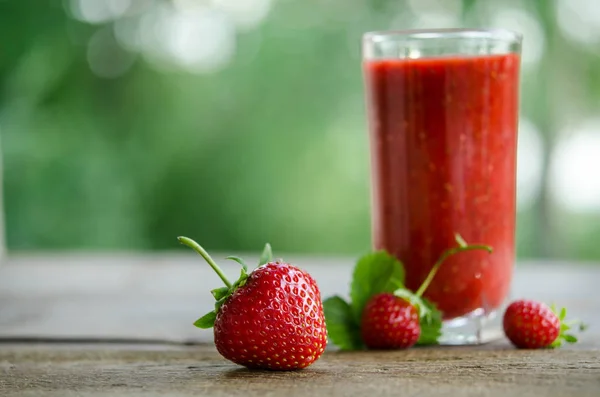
[(498, 34)]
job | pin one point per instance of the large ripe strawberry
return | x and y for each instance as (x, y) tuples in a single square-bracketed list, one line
[(390, 322), (533, 325), (271, 318)]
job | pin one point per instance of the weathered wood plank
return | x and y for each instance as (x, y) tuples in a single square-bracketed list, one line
[(159, 296), (200, 371)]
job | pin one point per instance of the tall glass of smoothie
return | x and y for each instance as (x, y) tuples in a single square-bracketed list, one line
[(443, 115)]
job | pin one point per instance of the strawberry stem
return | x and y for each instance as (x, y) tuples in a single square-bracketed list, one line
[(196, 247), (445, 255)]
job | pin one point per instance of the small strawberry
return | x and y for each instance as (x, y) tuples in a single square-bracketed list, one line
[(271, 318), (390, 322), (394, 320), (533, 325)]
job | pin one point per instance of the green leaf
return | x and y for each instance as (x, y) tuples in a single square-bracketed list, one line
[(564, 327), (206, 321), (220, 302), (241, 281), (220, 293), (342, 330), (266, 256), (430, 319), (569, 338), (563, 313), (431, 325), (374, 273), (240, 261), (243, 273), (243, 277), (413, 299)]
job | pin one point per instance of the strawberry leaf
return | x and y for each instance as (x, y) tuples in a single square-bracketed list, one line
[(563, 314), (241, 281), (569, 338), (223, 293), (220, 302), (413, 299), (219, 293), (342, 330), (266, 256), (564, 327), (240, 261), (430, 319), (374, 273), (206, 321), (431, 324)]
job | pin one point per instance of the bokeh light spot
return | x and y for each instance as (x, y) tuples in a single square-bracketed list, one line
[(574, 182)]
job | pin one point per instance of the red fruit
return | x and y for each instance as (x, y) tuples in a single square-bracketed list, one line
[(532, 325), (271, 318), (389, 322), (275, 321)]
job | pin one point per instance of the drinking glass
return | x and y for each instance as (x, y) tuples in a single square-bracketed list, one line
[(443, 112)]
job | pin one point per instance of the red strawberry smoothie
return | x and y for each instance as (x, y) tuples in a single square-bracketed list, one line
[(443, 147)]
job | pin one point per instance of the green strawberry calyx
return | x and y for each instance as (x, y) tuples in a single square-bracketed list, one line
[(221, 294), (565, 326)]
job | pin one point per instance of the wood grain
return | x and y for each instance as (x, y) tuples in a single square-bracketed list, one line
[(158, 297), (150, 302), (200, 371)]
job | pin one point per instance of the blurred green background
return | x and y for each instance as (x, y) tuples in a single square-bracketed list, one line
[(124, 123)]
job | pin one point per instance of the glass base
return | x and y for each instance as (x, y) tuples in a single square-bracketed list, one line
[(476, 328)]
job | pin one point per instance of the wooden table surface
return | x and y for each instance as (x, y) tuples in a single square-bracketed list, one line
[(97, 325)]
